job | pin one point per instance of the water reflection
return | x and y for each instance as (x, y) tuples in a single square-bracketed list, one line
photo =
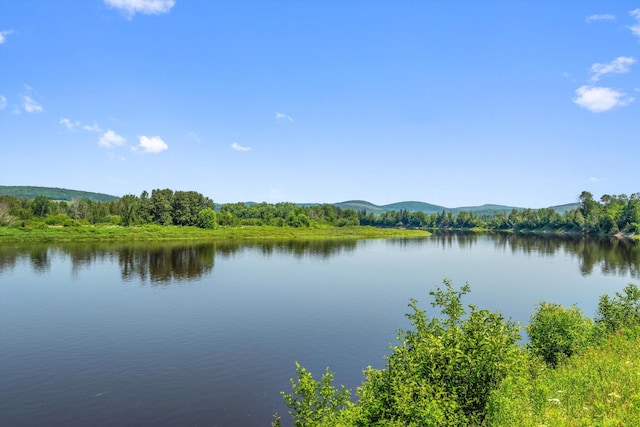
[(612, 256), (165, 262)]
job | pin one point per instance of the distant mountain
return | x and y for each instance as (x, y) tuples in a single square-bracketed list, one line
[(358, 205), (415, 207), (565, 208), (487, 209), (25, 192), (362, 205)]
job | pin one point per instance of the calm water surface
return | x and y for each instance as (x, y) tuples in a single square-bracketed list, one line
[(207, 334)]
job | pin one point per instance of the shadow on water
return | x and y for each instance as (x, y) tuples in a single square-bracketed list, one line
[(162, 262), (612, 255)]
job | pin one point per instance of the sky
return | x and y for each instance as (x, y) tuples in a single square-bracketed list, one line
[(455, 103)]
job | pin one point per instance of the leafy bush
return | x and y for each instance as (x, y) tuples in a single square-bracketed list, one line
[(557, 332), (206, 218), (113, 219), (621, 312), (59, 219), (314, 402), (444, 370), (442, 373)]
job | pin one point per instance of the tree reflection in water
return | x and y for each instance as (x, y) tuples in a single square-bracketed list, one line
[(166, 262)]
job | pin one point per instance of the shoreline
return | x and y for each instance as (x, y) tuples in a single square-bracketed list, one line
[(113, 233)]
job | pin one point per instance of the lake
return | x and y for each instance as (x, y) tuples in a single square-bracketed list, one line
[(208, 333)]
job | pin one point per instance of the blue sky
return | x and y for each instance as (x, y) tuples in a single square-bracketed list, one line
[(454, 103)]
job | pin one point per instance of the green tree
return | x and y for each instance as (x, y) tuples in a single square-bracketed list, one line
[(41, 206), (161, 206), (129, 209), (206, 218)]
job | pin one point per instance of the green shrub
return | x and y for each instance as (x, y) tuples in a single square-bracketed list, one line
[(556, 332), (442, 372), (599, 387), (621, 312), (206, 218), (314, 402), (59, 219), (113, 219)]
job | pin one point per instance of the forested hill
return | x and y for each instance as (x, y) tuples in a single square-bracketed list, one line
[(427, 208), (25, 192)]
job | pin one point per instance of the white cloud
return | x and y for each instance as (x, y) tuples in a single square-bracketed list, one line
[(603, 17), (146, 7), (600, 99), (3, 35), (69, 124), (285, 117), (635, 29), (239, 147), (152, 144), (93, 128), (111, 139), (30, 105), (620, 65), (3, 102), (593, 179)]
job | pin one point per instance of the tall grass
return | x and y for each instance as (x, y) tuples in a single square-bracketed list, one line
[(45, 233), (599, 387)]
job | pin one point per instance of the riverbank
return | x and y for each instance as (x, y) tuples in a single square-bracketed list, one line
[(91, 233)]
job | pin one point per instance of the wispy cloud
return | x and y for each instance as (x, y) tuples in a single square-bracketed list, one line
[(239, 147), (3, 35), (600, 99), (152, 144), (111, 139), (603, 17), (69, 124), (194, 136), (93, 128), (29, 104), (620, 65), (3, 102), (593, 179), (635, 28), (284, 117), (145, 7)]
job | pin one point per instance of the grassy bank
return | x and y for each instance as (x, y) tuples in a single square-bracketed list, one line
[(89, 233), (600, 387), (465, 368)]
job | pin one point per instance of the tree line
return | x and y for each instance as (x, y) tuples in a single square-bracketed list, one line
[(610, 215)]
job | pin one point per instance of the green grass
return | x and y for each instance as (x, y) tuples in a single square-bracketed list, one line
[(600, 387), (88, 233)]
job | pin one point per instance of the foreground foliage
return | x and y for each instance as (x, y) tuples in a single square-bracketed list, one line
[(464, 368), (599, 387)]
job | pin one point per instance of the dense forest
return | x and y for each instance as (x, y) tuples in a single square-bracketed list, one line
[(28, 192), (612, 214)]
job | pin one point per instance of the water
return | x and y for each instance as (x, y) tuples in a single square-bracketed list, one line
[(207, 334)]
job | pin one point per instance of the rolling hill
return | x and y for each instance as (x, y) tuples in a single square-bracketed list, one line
[(26, 192)]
